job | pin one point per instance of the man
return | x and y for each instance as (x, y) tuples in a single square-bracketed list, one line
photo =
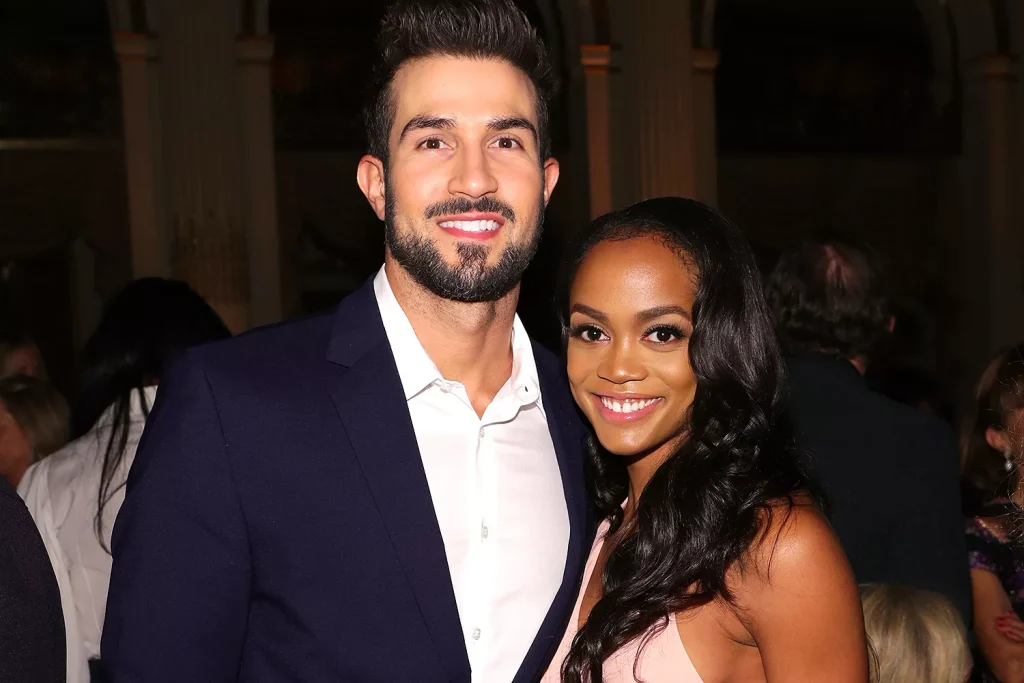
[(31, 621), (393, 492), (889, 472)]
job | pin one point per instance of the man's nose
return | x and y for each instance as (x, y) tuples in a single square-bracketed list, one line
[(473, 175)]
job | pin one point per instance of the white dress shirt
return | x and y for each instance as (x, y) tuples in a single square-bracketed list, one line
[(497, 492), (62, 492)]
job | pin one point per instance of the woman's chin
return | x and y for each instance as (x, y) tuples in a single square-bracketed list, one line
[(625, 449)]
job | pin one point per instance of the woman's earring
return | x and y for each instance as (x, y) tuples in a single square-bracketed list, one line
[(1008, 454)]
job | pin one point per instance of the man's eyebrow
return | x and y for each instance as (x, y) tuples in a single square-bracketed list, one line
[(423, 121), (511, 123)]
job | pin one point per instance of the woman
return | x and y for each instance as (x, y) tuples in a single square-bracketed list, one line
[(915, 635), (991, 441), (712, 562), (75, 494), (33, 424)]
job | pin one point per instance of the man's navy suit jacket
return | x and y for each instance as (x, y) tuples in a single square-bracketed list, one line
[(278, 525)]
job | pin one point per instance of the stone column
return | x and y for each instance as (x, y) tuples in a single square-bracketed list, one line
[(596, 60), (260, 185), (991, 247), (705, 61), (203, 151), (140, 100), (653, 114)]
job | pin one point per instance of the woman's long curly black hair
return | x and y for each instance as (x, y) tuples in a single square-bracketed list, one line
[(714, 498)]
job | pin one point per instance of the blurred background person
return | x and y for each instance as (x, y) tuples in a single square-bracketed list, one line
[(31, 625), (19, 355), (915, 636), (990, 450), (889, 472), (76, 494), (33, 424)]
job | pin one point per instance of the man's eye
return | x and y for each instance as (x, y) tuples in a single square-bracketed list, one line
[(508, 143), (432, 143)]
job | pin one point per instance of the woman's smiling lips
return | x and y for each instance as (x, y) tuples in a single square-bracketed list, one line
[(626, 407)]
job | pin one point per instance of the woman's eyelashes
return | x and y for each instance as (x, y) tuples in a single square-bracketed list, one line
[(662, 334), (587, 332)]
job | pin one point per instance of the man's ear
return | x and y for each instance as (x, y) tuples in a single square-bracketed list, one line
[(551, 171), (370, 177), (997, 439)]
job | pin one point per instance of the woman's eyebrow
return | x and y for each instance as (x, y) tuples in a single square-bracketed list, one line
[(587, 310), (658, 311)]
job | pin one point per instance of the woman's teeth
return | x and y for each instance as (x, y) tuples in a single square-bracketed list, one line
[(470, 226), (626, 406)]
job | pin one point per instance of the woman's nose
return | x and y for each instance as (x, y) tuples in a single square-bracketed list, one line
[(621, 364)]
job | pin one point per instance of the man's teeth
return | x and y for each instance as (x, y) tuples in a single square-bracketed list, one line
[(471, 226), (626, 406)]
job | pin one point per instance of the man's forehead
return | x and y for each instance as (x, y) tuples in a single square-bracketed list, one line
[(462, 89)]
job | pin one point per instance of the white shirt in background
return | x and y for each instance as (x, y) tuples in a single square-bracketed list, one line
[(62, 493), (497, 492)]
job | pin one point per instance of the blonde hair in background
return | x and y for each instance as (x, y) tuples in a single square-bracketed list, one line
[(40, 411), (915, 636)]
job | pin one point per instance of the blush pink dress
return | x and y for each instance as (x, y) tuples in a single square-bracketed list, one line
[(664, 658)]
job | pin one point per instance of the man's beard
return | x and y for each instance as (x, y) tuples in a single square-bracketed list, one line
[(471, 280)]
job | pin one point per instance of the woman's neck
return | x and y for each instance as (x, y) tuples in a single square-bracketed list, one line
[(641, 469)]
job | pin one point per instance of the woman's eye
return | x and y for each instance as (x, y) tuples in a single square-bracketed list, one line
[(664, 335), (588, 333)]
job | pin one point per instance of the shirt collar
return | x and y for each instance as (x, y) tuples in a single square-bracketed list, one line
[(415, 368), (417, 371), (141, 402)]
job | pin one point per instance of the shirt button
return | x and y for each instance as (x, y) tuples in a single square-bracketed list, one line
[(476, 634), (483, 531), (481, 432)]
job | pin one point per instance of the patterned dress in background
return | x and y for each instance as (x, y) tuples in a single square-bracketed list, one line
[(991, 548)]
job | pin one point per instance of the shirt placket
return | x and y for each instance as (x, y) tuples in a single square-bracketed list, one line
[(477, 574)]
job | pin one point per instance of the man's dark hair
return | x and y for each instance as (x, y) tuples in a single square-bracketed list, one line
[(829, 296), (478, 29)]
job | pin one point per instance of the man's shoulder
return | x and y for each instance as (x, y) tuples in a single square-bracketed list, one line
[(900, 416), (284, 347), (913, 424), (291, 336)]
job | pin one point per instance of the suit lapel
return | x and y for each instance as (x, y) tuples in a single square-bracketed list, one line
[(567, 436), (367, 392)]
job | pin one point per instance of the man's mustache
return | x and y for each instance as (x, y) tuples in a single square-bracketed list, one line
[(457, 205)]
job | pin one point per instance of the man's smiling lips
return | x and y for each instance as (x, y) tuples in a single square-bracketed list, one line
[(472, 226), (626, 407)]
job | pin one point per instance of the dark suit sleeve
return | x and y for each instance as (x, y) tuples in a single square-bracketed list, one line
[(31, 622), (938, 560), (179, 590)]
